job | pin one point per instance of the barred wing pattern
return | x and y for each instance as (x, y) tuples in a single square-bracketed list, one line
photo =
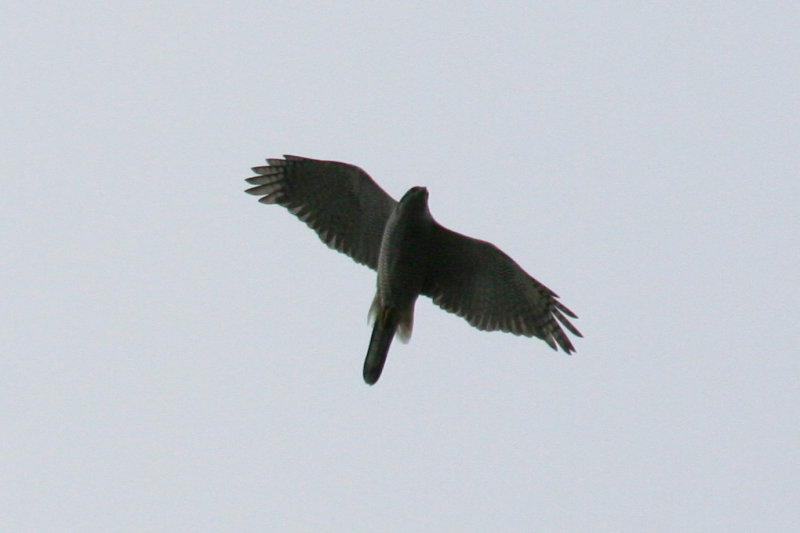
[(346, 208), (477, 281)]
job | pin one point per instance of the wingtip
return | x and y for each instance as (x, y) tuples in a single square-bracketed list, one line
[(566, 345)]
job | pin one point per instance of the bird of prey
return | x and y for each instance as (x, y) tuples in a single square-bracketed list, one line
[(412, 255)]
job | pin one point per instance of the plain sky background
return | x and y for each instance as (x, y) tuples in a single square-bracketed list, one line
[(178, 357)]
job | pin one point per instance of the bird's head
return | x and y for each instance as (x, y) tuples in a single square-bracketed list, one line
[(415, 201), (415, 195)]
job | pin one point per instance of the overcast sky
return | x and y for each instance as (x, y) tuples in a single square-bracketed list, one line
[(178, 357)]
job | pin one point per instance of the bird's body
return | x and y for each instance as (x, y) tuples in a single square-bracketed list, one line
[(412, 255), (402, 269), (402, 261)]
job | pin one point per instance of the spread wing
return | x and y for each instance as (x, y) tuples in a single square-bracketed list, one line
[(477, 281), (346, 208)]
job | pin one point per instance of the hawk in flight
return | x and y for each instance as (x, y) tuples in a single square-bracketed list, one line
[(412, 255)]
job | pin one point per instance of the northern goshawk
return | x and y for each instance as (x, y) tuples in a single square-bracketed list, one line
[(412, 254)]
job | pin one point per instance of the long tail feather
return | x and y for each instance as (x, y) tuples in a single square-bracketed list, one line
[(382, 335)]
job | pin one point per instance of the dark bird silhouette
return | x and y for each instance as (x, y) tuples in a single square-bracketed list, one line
[(412, 255)]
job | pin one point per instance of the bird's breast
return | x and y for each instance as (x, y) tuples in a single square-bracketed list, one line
[(403, 258)]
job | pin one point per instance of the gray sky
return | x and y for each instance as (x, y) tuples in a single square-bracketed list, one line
[(178, 357)]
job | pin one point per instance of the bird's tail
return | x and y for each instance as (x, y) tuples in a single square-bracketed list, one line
[(386, 321)]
